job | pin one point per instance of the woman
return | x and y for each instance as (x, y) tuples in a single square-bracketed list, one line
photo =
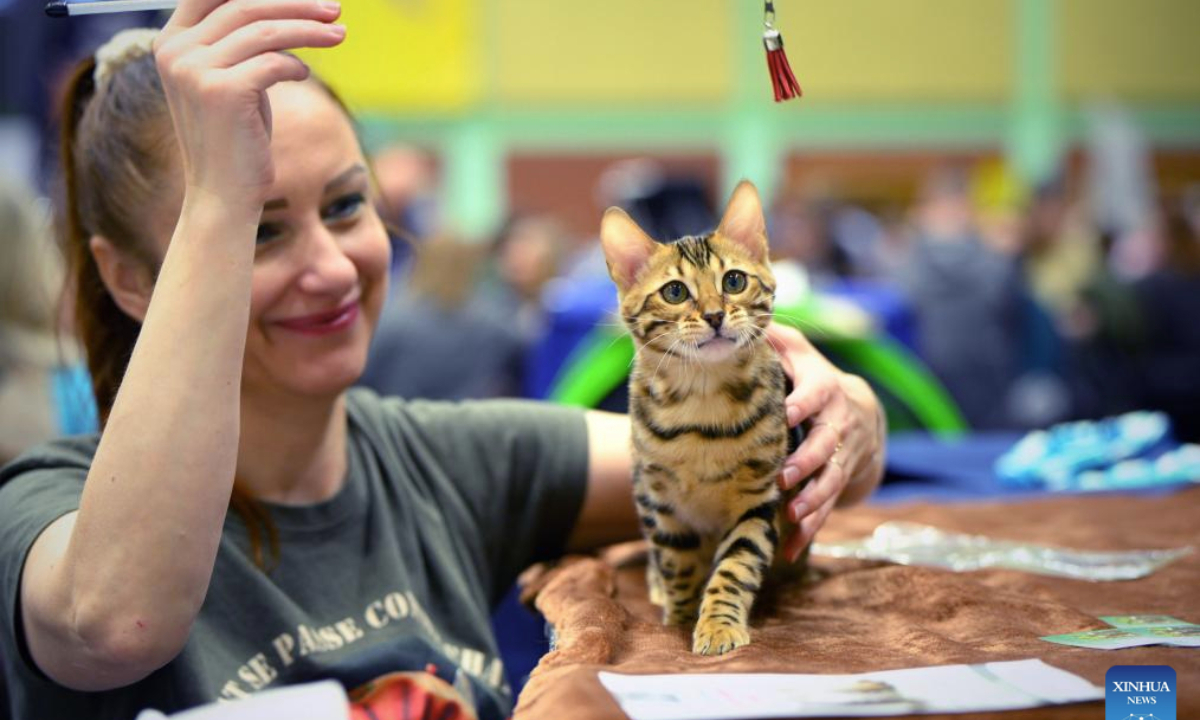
[(230, 270)]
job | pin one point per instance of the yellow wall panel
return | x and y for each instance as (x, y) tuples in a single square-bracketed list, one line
[(1130, 50), (907, 50), (415, 55), (612, 51)]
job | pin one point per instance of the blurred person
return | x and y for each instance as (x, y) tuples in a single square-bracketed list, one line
[(406, 200), (528, 253), (801, 233), (1061, 253), (831, 238), (665, 204), (1143, 351), (1169, 301), (999, 198), (865, 242), (436, 310), (1140, 249), (974, 313), (1121, 186), (1189, 206), (39, 365)]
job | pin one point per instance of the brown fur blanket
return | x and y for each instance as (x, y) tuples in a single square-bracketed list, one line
[(854, 616)]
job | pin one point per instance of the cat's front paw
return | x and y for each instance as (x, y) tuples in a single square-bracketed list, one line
[(718, 638)]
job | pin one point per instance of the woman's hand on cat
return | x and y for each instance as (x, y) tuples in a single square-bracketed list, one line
[(843, 451)]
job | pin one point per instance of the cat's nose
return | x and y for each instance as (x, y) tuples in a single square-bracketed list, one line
[(714, 319)]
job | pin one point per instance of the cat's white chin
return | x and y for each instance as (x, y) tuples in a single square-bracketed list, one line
[(716, 349)]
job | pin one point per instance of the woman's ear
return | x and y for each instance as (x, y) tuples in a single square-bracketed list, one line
[(129, 281)]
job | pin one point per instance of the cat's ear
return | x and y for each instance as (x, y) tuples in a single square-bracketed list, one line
[(744, 222), (627, 248)]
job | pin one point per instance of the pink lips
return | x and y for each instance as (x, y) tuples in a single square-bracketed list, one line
[(324, 323)]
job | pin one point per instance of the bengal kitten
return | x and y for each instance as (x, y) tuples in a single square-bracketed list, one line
[(706, 398)]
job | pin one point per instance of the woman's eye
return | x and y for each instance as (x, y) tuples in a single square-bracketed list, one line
[(267, 232), (344, 207), (674, 292), (734, 281)]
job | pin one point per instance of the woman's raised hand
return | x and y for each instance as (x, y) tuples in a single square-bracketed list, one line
[(216, 59)]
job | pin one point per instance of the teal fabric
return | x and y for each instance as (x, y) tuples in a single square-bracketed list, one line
[(74, 404)]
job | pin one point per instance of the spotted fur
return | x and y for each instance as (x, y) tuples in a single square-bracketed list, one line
[(707, 404)]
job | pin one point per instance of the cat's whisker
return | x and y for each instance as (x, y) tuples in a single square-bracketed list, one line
[(656, 337), (657, 368), (796, 321), (665, 355), (756, 329), (629, 334), (617, 338)]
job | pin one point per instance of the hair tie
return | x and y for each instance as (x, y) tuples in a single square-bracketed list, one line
[(121, 49)]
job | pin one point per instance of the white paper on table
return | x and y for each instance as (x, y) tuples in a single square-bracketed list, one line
[(323, 700), (940, 689)]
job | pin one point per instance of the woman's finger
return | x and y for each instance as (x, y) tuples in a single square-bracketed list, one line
[(803, 533), (812, 392), (267, 36), (235, 14), (827, 485), (810, 525), (818, 446), (267, 69), (791, 546)]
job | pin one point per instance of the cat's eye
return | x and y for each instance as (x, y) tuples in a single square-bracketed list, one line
[(674, 292), (734, 281)]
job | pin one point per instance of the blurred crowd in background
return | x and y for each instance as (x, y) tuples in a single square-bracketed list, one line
[(1031, 305), (1032, 301)]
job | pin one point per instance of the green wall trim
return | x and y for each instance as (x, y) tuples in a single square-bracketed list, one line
[(1035, 135), (791, 125)]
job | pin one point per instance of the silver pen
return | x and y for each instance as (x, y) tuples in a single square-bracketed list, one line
[(69, 9)]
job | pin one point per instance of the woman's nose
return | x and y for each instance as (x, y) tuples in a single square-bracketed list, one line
[(328, 269)]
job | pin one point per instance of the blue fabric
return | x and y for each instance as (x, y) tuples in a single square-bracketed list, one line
[(74, 404), (925, 468), (572, 310), (521, 635)]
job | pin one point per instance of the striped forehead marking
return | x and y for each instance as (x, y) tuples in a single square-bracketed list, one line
[(695, 249)]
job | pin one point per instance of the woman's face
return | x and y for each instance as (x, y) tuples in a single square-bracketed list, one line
[(321, 258)]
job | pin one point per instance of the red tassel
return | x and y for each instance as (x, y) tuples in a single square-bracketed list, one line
[(784, 82)]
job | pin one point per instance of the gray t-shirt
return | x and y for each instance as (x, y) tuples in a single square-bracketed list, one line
[(443, 505)]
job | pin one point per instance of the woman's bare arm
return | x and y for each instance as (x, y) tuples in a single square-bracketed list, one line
[(109, 593)]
